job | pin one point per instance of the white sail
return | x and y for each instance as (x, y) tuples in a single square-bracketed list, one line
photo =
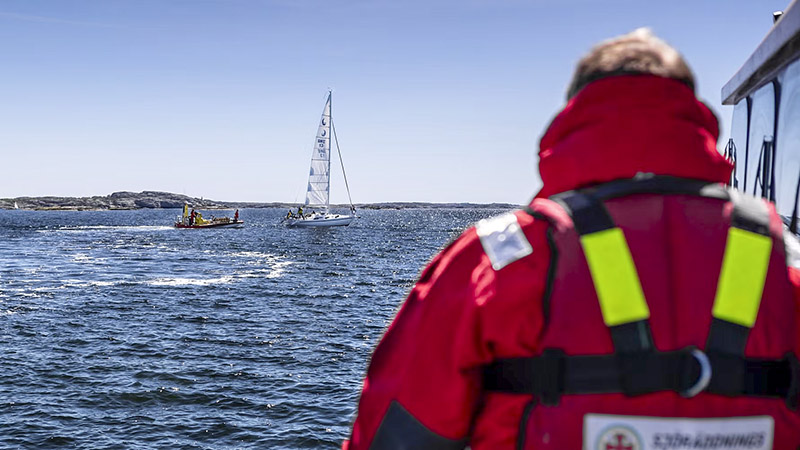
[(319, 177)]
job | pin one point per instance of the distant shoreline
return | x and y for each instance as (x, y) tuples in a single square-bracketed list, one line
[(166, 200)]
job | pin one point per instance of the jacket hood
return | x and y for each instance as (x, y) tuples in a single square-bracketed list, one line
[(620, 126)]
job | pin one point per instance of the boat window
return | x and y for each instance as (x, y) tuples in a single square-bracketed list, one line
[(737, 145), (762, 127), (765, 170), (787, 144)]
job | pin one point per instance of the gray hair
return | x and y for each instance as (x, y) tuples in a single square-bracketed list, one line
[(636, 53)]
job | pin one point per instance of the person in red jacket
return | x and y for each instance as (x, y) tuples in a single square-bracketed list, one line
[(636, 303)]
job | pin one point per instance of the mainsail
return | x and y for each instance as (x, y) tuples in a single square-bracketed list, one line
[(319, 177)]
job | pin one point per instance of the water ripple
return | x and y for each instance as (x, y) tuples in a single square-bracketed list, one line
[(118, 331)]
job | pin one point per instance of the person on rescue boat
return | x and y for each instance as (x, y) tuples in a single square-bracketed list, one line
[(596, 318)]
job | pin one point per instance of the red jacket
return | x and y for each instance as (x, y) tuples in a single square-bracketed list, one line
[(463, 313)]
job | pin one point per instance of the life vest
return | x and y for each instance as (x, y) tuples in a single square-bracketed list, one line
[(671, 323)]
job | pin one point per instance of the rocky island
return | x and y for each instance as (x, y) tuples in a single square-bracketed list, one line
[(153, 199)]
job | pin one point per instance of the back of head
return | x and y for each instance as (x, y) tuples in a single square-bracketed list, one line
[(631, 109), (636, 53)]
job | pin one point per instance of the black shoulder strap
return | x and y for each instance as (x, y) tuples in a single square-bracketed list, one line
[(752, 215), (590, 215)]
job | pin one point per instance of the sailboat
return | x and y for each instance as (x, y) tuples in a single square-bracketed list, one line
[(315, 212)]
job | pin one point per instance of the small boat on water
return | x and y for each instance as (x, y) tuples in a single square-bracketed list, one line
[(319, 181), (195, 220)]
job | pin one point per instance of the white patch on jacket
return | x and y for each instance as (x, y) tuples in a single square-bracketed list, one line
[(503, 240)]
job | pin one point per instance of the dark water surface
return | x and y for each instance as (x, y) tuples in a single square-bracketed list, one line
[(119, 332)]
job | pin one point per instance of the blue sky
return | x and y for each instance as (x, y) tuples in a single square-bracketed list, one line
[(433, 100)]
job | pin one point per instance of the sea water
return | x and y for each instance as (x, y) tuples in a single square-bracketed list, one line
[(118, 331)]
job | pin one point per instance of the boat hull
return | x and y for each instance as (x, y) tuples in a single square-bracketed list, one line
[(321, 221), (231, 224)]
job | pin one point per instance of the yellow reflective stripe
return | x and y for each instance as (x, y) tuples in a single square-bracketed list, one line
[(741, 280), (615, 278)]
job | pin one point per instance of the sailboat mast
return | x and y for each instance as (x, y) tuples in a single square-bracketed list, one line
[(330, 126)]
